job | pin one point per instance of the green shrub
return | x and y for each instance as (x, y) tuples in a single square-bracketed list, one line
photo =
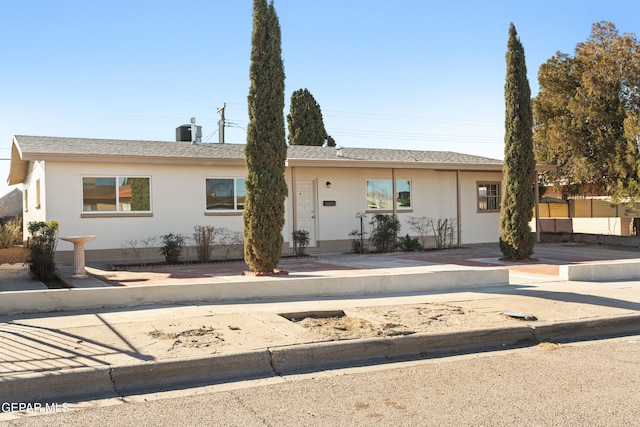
[(172, 247), (357, 242), (300, 241), (44, 238), (409, 244), (384, 231)]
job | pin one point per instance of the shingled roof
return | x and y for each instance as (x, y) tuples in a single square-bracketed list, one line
[(31, 148)]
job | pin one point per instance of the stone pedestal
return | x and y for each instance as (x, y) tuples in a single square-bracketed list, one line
[(79, 271)]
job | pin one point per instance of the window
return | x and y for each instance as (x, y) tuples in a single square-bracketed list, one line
[(116, 194), (488, 197), (225, 194), (380, 194), (38, 194)]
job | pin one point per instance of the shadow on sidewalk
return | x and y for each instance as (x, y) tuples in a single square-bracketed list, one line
[(28, 348)]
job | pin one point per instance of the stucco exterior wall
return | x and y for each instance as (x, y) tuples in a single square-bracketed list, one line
[(178, 202), (477, 227), (34, 205)]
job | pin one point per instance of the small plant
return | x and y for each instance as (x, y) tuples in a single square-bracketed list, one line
[(11, 233), (44, 238), (130, 248), (409, 244), (172, 247), (300, 241), (203, 235), (357, 242), (421, 225), (385, 229), (444, 230), (231, 241)]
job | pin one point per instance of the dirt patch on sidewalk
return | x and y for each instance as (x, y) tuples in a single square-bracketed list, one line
[(387, 321)]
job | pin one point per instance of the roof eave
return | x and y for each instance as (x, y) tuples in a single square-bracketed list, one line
[(101, 158), (19, 166)]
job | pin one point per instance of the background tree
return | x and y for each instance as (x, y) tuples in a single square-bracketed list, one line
[(587, 114), (518, 171), (266, 147), (306, 126)]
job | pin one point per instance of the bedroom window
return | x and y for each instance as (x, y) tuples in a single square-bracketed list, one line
[(380, 194), (116, 194), (489, 197), (225, 194)]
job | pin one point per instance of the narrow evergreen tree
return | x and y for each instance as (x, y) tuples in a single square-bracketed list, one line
[(518, 171), (306, 126), (266, 147)]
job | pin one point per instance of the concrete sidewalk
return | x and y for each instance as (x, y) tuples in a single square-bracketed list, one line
[(110, 352)]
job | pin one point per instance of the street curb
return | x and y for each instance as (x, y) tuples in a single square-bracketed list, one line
[(311, 357), (580, 330), (171, 374), (103, 382), (57, 386)]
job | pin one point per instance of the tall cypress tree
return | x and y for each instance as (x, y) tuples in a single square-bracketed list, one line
[(306, 126), (266, 147), (518, 171)]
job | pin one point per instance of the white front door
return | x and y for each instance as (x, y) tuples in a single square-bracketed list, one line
[(306, 209)]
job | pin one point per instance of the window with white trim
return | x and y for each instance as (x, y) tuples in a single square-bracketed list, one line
[(116, 194), (225, 194), (380, 194), (489, 194)]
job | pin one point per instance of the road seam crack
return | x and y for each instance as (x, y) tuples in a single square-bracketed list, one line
[(272, 363), (113, 383)]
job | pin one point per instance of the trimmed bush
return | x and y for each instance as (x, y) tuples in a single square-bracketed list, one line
[(384, 231), (44, 238), (172, 247), (300, 241)]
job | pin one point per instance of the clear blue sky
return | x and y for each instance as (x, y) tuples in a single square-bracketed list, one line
[(414, 74)]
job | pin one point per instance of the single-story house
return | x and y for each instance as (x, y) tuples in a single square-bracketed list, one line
[(126, 192)]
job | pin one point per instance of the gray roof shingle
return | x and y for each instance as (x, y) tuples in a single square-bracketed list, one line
[(43, 146)]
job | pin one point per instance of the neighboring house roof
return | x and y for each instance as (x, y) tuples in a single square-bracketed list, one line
[(37, 148), (11, 204)]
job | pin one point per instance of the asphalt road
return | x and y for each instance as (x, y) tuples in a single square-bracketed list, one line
[(588, 383)]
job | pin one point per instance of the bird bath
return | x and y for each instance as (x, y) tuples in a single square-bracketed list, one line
[(79, 271)]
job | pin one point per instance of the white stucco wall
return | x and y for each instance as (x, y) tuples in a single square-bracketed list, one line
[(477, 227), (178, 201), (32, 209)]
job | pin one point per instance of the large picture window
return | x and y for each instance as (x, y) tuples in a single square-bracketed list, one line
[(116, 194), (489, 197), (380, 194), (225, 194)]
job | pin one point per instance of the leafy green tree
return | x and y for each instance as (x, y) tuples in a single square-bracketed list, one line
[(306, 126), (587, 114), (518, 171), (266, 147)]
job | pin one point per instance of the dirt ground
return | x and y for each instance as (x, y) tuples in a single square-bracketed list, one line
[(354, 323), (14, 255), (367, 322)]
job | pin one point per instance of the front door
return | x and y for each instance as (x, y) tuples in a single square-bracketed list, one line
[(306, 209)]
